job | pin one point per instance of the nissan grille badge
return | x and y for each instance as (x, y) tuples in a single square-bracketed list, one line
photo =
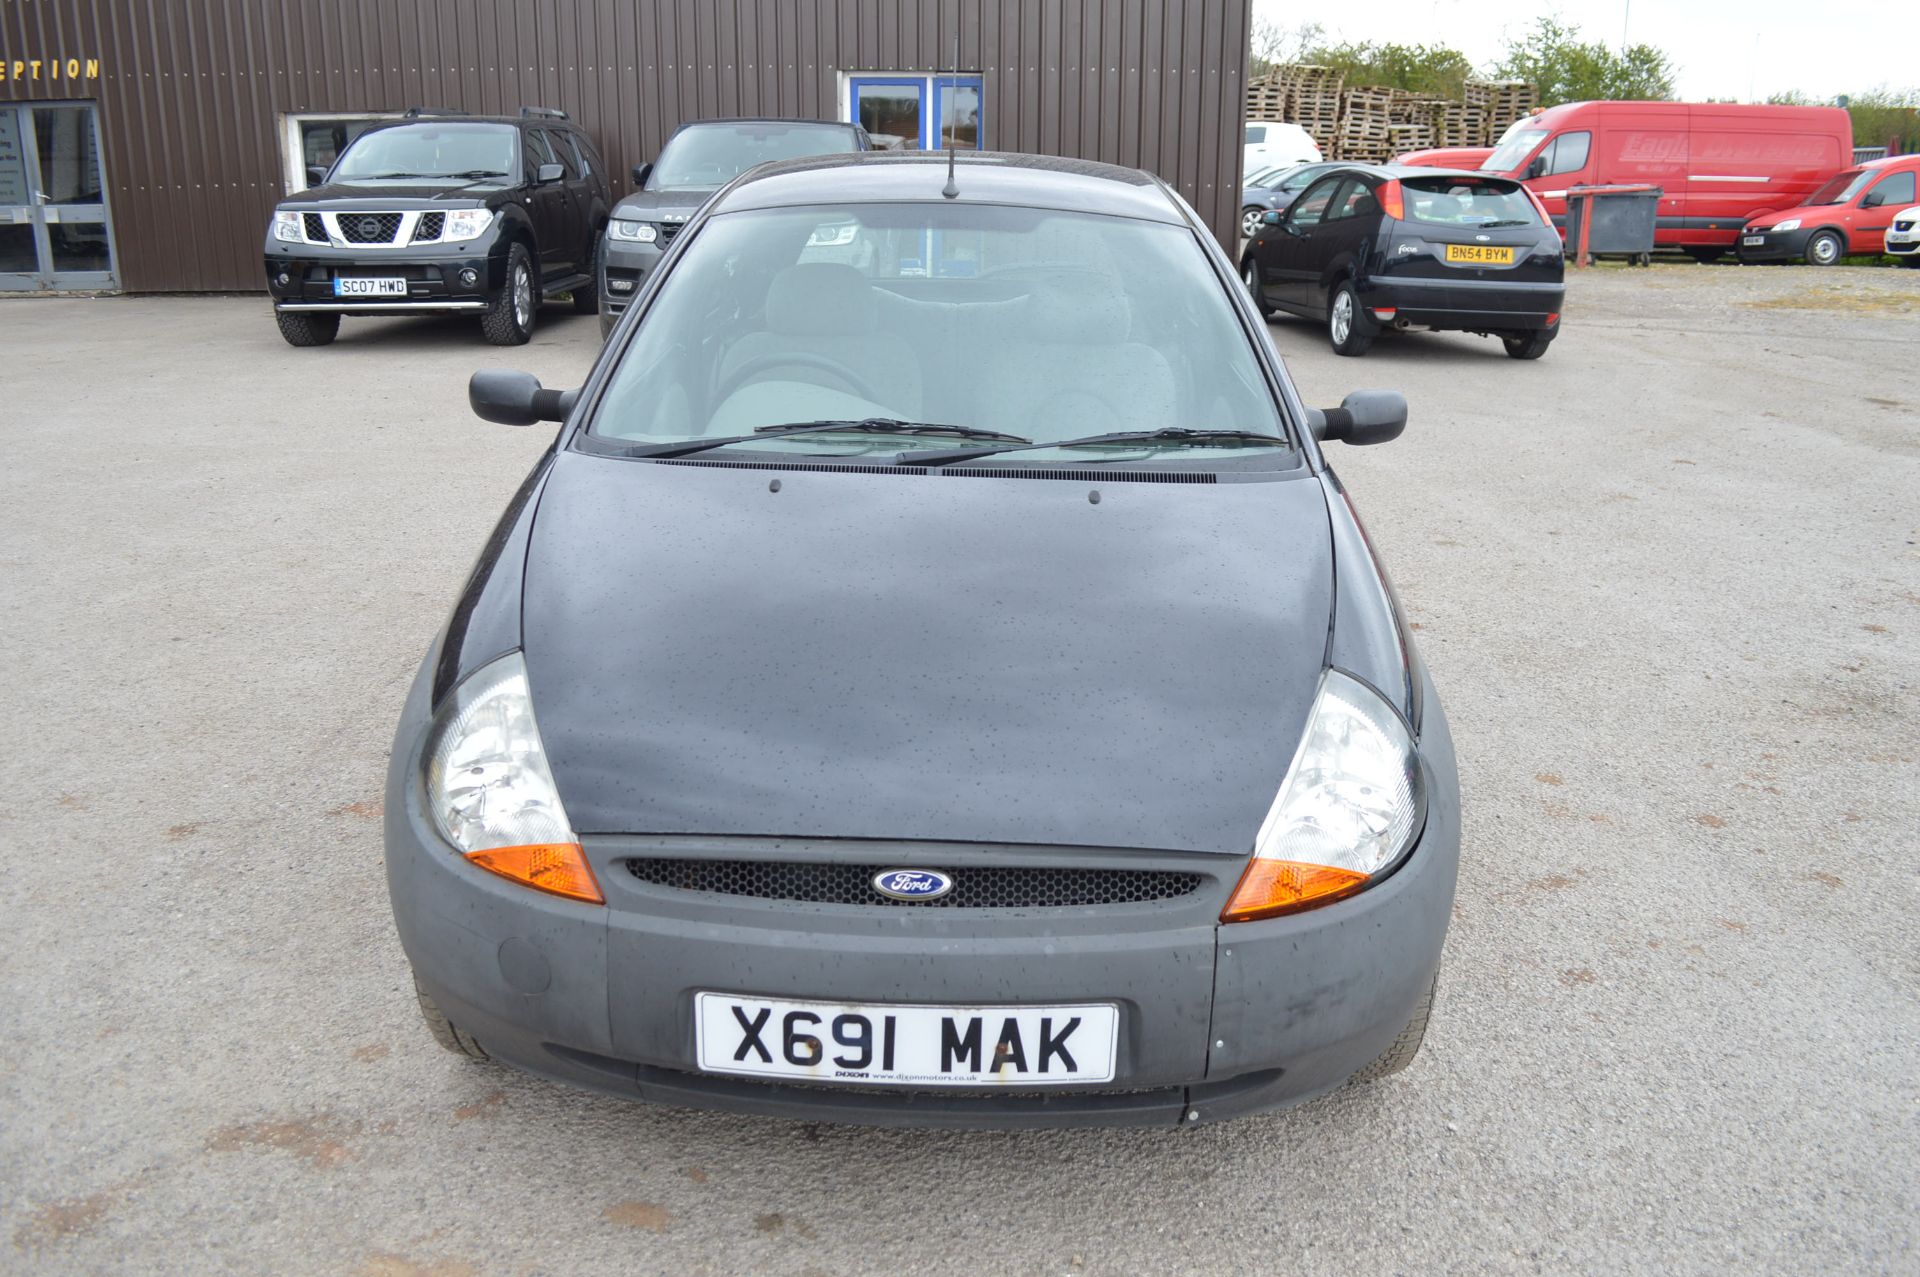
[(912, 884)]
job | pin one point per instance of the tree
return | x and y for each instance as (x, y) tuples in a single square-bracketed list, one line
[(1274, 45), (1567, 69), (1880, 116), (1419, 68)]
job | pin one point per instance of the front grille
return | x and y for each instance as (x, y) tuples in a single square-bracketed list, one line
[(668, 230), (987, 887), (316, 229), (431, 224), (368, 228)]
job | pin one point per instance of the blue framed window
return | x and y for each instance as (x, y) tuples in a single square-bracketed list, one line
[(919, 112)]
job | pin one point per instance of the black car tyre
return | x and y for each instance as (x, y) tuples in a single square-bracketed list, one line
[(1826, 248), (1250, 221), (1528, 345), (508, 319), (586, 300), (1706, 256), (315, 328), (1348, 326), (1912, 259), (1250, 276), (1405, 1047), (445, 1031)]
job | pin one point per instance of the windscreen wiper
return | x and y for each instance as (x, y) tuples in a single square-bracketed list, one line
[(1170, 435), (473, 172), (867, 425), (382, 177)]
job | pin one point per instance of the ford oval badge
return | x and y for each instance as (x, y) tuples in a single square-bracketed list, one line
[(912, 884)]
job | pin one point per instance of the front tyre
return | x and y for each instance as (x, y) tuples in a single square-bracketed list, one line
[(1826, 248), (1250, 222), (508, 320), (1405, 1047), (1349, 328), (586, 301), (445, 1031), (308, 328), (1528, 345), (1250, 276)]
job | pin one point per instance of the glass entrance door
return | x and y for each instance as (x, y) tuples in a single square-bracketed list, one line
[(54, 229)]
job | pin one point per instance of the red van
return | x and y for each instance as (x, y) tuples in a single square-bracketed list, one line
[(1463, 157), (1850, 214), (1720, 167)]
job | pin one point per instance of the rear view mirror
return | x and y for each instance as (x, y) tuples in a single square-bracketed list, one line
[(640, 172), (1271, 217), (1538, 168), (1872, 199), (1365, 416), (548, 173), (514, 398)]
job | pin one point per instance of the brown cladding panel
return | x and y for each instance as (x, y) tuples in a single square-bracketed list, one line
[(192, 92)]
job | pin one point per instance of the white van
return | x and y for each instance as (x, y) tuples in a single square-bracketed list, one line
[(1271, 142)]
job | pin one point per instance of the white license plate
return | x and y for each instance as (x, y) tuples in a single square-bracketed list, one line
[(1753, 241), (345, 287), (896, 1045)]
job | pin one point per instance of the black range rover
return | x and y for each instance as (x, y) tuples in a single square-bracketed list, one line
[(443, 212)]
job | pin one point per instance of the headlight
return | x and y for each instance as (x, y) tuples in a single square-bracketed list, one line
[(467, 223), (1348, 808), (1791, 224), (489, 791), (633, 232), (286, 226)]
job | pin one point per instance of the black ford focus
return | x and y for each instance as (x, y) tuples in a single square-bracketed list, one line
[(1366, 249), (933, 678)]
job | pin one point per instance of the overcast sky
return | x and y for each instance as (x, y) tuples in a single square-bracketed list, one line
[(1742, 49)]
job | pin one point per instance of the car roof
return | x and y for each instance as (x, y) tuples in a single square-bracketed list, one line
[(761, 119), (983, 177)]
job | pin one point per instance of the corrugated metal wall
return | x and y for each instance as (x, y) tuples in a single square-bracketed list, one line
[(192, 92)]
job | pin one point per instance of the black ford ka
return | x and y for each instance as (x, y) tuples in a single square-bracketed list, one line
[(1367, 249), (933, 678)]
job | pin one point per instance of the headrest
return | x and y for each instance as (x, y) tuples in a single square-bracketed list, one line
[(819, 299), (1080, 309)]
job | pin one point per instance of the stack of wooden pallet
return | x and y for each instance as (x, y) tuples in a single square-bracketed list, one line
[(1314, 104), (1504, 101), (1458, 124), (1365, 123)]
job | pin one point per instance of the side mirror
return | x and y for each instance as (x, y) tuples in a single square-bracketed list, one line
[(1365, 416), (1271, 217), (316, 174), (1538, 168), (1872, 199), (640, 172), (514, 398), (548, 173)]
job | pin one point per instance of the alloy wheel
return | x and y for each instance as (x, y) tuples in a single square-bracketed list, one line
[(522, 297), (1249, 224), (1342, 320)]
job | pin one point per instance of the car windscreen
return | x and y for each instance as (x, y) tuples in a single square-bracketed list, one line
[(427, 151), (1514, 148), (1455, 200), (1042, 324), (1841, 187), (711, 155)]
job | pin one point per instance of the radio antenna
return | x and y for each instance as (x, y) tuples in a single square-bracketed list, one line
[(951, 190)]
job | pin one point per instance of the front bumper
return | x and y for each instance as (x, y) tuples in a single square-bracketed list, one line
[(1469, 305), (624, 268), (1903, 243), (433, 275), (1216, 1022), (1774, 246)]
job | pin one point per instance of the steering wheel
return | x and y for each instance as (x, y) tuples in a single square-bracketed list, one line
[(797, 359)]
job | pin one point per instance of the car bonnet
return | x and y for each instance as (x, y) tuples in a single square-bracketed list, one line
[(725, 649)]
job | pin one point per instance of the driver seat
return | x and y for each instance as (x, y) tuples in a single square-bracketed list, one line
[(828, 310)]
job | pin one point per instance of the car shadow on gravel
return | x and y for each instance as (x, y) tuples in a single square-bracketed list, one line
[(437, 332), (1393, 347)]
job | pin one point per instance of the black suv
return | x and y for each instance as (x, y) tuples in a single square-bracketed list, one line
[(442, 211), (698, 160)]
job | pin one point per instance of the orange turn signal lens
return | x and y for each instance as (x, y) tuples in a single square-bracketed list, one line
[(558, 867), (1270, 888)]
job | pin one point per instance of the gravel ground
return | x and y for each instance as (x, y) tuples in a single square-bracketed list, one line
[(1668, 585)]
